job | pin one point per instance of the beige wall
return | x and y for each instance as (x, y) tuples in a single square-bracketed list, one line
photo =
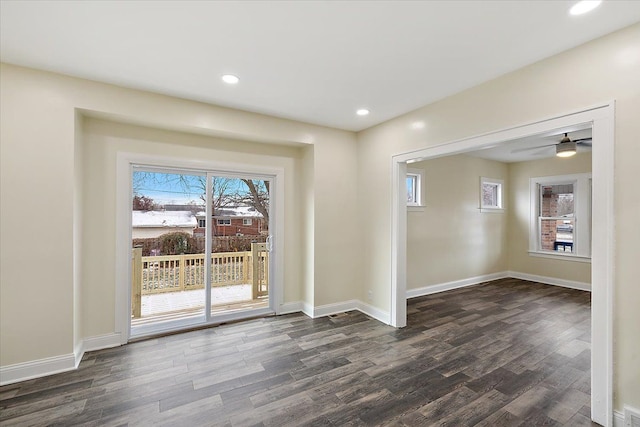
[(519, 208), (40, 309), (450, 238), (597, 72)]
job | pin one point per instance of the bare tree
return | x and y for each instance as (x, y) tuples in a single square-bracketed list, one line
[(143, 203), (257, 197), (221, 196)]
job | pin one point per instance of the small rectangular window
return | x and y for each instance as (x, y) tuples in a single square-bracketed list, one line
[(224, 222), (414, 183), (202, 223), (247, 221), (491, 197), (412, 187)]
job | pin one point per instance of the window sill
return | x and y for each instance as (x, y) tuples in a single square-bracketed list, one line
[(415, 208), (492, 210), (560, 256)]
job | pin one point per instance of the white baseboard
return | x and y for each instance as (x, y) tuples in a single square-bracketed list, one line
[(291, 307), (375, 312), (354, 304), (550, 280), (37, 368), (101, 342), (630, 417), (297, 307), (54, 365), (335, 308), (447, 286)]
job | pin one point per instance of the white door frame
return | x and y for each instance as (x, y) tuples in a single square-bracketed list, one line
[(602, 119), (124, 167)]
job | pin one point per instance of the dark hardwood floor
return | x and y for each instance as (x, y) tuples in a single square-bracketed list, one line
[(504, 353)]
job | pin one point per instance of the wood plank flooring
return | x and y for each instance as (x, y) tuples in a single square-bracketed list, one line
[(504, 353)]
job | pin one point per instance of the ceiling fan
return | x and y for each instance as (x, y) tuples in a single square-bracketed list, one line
[(566, 147)]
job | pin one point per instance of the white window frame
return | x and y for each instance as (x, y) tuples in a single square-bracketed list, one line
[(499, 183), (223, 223), (581, 220), (418, 203), (247, 221), (202, 223)]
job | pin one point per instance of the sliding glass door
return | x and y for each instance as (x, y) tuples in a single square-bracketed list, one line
[(199, 248)]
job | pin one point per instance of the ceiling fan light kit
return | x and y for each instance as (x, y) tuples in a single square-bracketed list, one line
[(566, 149)]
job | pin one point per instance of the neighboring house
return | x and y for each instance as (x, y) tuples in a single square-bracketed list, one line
[(234, 221), (151, 224)]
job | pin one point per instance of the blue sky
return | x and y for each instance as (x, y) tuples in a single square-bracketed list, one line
[(168, 188)]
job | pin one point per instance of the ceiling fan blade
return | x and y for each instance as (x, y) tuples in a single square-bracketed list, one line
[(584, 143), (520, 150)]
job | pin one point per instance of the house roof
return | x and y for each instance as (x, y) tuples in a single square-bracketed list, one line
[(240, 211), (163, 219), (234, 211)]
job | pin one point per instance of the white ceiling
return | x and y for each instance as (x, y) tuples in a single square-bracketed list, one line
[(313, 61)]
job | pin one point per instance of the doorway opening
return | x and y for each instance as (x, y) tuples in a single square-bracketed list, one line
[(601, 120)]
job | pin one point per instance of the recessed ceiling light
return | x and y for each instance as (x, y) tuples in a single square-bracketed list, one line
[(362, 112), (584, 6), (230, 79)]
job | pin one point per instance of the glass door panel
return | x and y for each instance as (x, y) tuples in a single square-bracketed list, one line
[(168, 247), (239, 234)]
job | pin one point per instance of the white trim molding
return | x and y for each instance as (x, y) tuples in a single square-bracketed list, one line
[(37, 368), (56, 364), (582, 286), (375, 312), (630, 416), (101, 342), (291, 307), (336, 308), (447, 286)]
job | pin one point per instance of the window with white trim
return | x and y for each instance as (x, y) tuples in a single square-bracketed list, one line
[(247, 221), (415, 178), (561, 215), (224, 221), (202, 223), (491, 194)]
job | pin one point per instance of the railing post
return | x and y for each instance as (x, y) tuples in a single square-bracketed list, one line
[(181, 272), (245, 267), (255, 272), (136, 282)]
